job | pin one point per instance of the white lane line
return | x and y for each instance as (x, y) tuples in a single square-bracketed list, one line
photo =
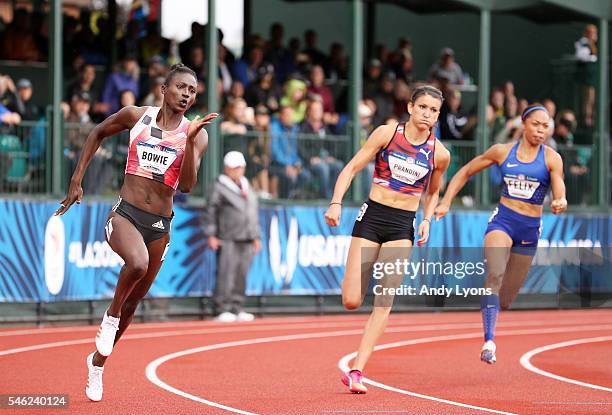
[(526, 360), (343, 364), (249, 329), (151, 370), (398, 318)]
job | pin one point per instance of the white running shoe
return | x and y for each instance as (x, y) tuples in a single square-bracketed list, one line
[(105, 339), (226, 317), (244, 316), (487, 354), (94, 380)]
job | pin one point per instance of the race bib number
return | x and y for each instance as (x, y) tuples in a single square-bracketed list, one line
[(155, 158), (361, 212), (520, 187), (406, 169)]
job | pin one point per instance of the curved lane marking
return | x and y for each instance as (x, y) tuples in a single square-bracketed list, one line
[(526, 361)]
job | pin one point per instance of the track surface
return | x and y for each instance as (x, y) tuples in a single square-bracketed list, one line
[(425, 364)]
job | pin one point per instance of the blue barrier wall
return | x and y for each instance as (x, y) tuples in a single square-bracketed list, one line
[(47, 258)]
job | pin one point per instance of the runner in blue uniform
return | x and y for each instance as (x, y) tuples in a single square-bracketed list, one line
[(529, 168)]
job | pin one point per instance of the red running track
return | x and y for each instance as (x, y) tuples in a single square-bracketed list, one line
[(427, 364)]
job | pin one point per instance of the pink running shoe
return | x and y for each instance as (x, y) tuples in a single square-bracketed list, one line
[(353, 380)]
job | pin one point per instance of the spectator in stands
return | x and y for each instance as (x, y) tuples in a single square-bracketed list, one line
[(508, 89), (317, 151), (259, 152), (153, 44), (195, 40), (126, 78), (224, 68), (264, 90), (236, 91), (127, 98), (575, 160), (401, 94), (233, 232), (246, 69), (551, 107), (129, 43), (383, 54), (513, 129), (446, 68), (384, 98), (155, 97), (315, 56), (18, 40), (586, 74), (196, 57), (7, 117), (156, 68), (497, 103), (286, 169), (317, 87), (372, 77), (295, 97), (453, 122), (277, 54), (337, 65), (83, 83), (404, 67), (235, 118), (522, 105), (22, 104), (565, 126), (79, 124)]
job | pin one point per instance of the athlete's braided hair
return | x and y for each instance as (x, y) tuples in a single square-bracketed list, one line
[(426, 90), (179, 68)]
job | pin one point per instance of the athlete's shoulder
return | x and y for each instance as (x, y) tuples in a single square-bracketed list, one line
[(442, 154), (383, 134), (498, 152), (551, 156), (131, 113)]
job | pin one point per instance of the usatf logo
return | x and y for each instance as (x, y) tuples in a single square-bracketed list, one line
[(287, 249), (283, 261), (55, 244)]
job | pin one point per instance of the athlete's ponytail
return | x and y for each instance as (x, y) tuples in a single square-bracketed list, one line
[(179, 68)]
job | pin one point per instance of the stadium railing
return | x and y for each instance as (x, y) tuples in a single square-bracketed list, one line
[(26, 168)]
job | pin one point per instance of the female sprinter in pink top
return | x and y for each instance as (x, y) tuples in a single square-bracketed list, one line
[(410, 162), (165, 152)]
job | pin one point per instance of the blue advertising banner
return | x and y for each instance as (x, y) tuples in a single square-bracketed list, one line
[(47, 258)]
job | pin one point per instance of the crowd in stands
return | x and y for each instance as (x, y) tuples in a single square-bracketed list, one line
[(284, 101)]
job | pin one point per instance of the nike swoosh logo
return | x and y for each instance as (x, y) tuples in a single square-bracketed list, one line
[(511, 165), (525, 243)]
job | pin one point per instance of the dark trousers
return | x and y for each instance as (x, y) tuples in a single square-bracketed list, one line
[(233, 263)]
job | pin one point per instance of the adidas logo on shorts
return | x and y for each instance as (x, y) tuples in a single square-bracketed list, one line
[(159, 225)]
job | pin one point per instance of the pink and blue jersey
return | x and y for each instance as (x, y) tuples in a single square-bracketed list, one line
[(404, 167), (154, 153)]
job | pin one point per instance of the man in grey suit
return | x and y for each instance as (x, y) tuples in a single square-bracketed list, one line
[(233, 231)]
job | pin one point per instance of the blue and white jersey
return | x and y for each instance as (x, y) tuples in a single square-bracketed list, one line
[(527, 182)]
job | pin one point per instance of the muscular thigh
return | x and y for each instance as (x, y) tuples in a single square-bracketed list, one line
[(124, 239), (390, 253), (516, 273), (157, 250), (361, 257)]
